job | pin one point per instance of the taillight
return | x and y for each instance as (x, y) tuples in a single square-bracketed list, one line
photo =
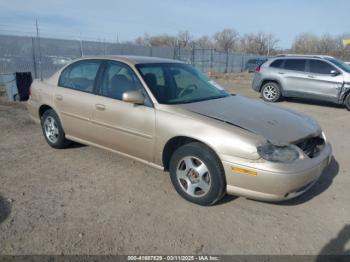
[(257, 69)]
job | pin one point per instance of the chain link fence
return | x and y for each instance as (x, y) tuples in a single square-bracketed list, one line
[(44, 56)]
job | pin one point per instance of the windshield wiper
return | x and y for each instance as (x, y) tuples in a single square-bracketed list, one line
[(202, 99)]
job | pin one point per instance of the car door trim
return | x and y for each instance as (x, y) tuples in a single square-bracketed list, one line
[(86, 142), (124, 130), (75, 116)]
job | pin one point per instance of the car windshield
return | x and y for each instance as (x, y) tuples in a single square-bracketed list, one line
[(177, 83), (340, 64)]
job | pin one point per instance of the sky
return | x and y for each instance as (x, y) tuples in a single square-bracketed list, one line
[(127, 19)]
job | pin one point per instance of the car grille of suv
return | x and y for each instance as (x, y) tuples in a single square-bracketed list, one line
[(311, 146)]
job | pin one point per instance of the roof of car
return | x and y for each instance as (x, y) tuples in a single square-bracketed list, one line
[(303, 56), (133, 59)]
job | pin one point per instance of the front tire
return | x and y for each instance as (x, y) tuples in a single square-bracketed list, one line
[(53, 131), (197, 174), (347, 102), (271, 92)]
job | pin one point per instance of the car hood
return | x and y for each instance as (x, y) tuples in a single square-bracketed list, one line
[(278, 125)]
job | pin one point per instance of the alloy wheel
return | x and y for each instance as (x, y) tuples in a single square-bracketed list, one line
[(51, 129), (270, 92), (193, 176)]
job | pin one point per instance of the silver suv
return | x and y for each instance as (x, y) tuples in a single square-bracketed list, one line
[(317, 77)]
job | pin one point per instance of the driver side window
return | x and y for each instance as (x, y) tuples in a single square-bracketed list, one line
[(117, 79), (320, 67)]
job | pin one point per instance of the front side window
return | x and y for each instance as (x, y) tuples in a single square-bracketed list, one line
[(177, 83), (80, 76), (295, 64), (320, 67), (340, 64), (117, 79)]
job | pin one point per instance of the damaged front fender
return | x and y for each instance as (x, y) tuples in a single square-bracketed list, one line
[(345, 91)]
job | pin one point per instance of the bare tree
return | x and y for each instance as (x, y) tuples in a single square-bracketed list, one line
[(163, 40), (185, 39), (259, 43), (204, 42), (306, 43), (327, 44), (226, 39), (143, 40)]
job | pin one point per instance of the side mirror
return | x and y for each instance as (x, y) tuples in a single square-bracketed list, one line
[(134, 97), (335, 73)]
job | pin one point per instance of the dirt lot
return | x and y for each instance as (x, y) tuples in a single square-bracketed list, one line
[(84, 200)]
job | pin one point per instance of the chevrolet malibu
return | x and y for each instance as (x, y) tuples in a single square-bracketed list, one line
[(168, 115)]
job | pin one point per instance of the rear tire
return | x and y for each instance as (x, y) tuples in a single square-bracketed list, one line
[(197, 174), (53, 131), (271, 92), (347, 102)]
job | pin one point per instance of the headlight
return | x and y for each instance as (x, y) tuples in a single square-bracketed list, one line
[(278, 153)]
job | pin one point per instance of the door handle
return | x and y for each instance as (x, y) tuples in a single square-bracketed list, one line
[(311, 76), (59, 97), (281, 73), (100, 107)]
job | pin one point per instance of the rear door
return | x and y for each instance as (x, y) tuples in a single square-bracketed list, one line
[(321, 83), (119, 125), (74, 97), (294, 76)]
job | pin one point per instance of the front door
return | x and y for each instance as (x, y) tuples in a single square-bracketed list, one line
[(321, 83), (119, 125)]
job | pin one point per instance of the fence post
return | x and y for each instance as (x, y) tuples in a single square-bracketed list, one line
[(193, 54), (211, 59), (34, 59), (226, 64), (81, 48), (39, 45), (242, 68)]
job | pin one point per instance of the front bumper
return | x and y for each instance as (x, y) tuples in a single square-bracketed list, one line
[(276, 181)]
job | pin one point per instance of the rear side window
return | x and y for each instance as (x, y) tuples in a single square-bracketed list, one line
[(320, 67), (295, 64), (277, 63), (80, 76)]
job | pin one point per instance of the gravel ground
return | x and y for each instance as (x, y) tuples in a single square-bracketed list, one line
[(85, 200)]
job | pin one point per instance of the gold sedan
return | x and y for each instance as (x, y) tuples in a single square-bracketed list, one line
[(169, 115)]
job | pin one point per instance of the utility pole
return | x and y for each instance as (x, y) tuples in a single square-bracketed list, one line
[(268, 45), (34, 59), (81, 46), (39, 45)]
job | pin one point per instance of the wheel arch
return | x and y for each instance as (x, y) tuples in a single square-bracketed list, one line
[(43, 108), (174, 143), (346, 94), (271, 80)]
